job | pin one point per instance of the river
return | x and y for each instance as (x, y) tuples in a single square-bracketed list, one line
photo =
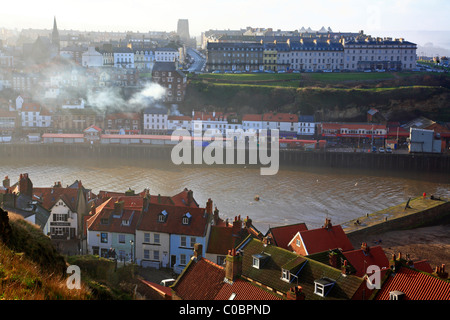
[(293, 195)]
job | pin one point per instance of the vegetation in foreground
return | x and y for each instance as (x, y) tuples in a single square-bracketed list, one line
[(32, 269)]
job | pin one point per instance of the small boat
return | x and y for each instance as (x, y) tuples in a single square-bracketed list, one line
[(256, 198)]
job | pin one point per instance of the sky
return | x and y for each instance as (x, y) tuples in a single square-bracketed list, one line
[(375, 17)]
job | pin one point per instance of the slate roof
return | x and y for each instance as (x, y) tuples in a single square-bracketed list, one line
[(305, 269)]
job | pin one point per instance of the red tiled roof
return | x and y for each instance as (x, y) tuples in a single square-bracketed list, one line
[(252, 117), (31, 106), (201, 280), (415, 285), (322, 239), (179, 118), (93, 127), (283, 235), (63, 135), (164, 292), (361, 260), (244, 290), (173, 224), (280, 117), (131, 210), (49, 196), (423, 265)]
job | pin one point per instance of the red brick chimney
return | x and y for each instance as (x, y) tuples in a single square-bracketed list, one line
[(365, 248), (93, 208), (237, 225), (25, 185), (233, 265), (334, 260), (198, 249), (440, 272), (295, 293), (190, 197), (327, 224), (216, 216), (6, 182), (209, 206)]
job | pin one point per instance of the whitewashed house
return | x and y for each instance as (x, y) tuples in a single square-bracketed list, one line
[(63, 220), (306, 126), (92, 58), (155, 120), (166, 55), (178, 122), (33, 115)]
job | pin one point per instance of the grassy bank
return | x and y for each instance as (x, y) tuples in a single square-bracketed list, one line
[(329, 96)]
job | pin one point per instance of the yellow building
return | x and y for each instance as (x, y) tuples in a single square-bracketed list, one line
[(270, 57)]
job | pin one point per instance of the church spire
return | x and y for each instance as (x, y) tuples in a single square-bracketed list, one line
[(55, 34)]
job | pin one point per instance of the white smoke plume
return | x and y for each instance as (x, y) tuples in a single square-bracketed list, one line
[(112, 99)]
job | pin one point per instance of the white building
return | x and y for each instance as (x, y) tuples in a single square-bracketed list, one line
[(179, 122), (166, 55), (286, 123), (123, 58), (252, 121), (379, 54), (92, 58), (306, 126), (155, 120), (63, 220), (33, 115)]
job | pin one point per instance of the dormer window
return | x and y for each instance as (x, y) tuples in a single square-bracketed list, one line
[(259, 260), (187, 218), (162, 217), (323, 286), (285, 275)]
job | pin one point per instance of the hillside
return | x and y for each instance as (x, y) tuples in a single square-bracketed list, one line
[(30, 267), (329, 96)]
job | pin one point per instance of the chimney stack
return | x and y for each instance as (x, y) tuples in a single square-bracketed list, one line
[(295, 293), (365, 248), (190, 197), (233, 265), (198, 249), (6, 182), (216, 216), (209, 206), (327, 224), (333, 260), (440, 272), (237, 225)]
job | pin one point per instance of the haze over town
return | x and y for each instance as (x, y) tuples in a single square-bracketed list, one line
[(382, 18)]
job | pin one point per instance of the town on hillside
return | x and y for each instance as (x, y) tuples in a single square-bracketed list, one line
[(56, 83), (216, 259)]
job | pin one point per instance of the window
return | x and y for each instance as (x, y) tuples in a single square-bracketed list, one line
[(121, 238), (255, 262), (182, 259), (285, 275), (104, 238), (156, 238), (147, 237), (183, 241), (146, 254), (156, 255), (323, 286), (193, 241)]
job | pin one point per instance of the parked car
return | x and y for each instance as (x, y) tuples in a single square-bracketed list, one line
[(381, 150), (388, 150)]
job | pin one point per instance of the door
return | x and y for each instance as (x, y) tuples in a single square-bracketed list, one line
[(173, 260)]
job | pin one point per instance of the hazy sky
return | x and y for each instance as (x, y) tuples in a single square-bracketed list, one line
[(373, 16)]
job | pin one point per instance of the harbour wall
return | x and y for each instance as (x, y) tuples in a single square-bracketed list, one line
[(373, 161), (418, 212)]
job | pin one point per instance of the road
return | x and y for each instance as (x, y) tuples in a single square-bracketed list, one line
[(199, 61)]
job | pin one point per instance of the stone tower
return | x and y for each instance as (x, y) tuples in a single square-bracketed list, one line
[(183, 30)]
